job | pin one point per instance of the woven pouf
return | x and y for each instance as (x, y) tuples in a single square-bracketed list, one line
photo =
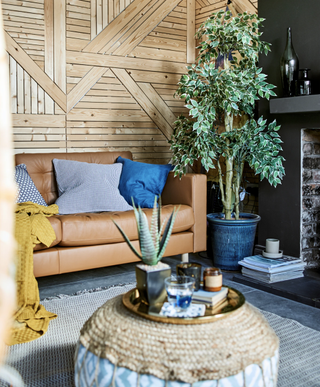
[(118, 348)]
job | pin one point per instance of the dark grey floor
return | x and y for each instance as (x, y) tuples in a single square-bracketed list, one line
[(105, 277)]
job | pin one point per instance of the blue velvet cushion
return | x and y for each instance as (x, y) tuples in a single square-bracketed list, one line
[(142, 181), (27, 191), (88, 187)]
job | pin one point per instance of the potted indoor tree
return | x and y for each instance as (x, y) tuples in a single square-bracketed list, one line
[(151, 272), (221, 90)]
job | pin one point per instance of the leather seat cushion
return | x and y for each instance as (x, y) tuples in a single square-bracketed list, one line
[(98, 228), (56, 225)]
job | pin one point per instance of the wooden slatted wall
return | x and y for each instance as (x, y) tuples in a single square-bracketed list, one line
[(90, 75)]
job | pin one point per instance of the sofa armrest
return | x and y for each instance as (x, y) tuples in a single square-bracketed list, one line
[(191, 190)]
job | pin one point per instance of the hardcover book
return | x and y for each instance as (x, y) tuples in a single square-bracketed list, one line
[(211, 298)]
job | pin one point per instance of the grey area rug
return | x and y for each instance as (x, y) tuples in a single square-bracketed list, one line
[(48, 361)]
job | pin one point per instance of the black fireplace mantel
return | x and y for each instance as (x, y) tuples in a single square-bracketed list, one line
[(300, 104)]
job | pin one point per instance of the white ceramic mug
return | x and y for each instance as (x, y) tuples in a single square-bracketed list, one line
[(272, 246)]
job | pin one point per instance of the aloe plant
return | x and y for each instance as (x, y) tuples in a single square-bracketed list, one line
[(152, 246)]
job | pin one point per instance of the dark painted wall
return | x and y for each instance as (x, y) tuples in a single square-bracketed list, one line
[(280, 207)]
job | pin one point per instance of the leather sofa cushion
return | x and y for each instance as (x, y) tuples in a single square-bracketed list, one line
[(56, 224), (98, 228)]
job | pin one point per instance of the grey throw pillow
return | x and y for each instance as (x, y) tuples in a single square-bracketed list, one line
[(27, 191), (88, 187)]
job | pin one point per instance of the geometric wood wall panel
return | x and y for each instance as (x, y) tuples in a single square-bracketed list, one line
[(90, 75)]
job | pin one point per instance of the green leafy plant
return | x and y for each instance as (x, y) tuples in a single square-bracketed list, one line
[(218, 95), (152, 246)]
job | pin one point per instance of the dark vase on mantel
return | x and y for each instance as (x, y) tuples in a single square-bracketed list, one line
[(289, 67)]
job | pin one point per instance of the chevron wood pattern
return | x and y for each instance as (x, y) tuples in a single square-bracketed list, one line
[(91, 75)]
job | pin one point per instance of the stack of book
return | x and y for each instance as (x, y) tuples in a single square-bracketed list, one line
[(272, 270), (210, 298)]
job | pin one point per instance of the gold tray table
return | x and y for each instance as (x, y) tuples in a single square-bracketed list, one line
[(234, 301)]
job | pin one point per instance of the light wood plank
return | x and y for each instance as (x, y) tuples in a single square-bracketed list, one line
[(112, 124), (165, 44), (84, 58), (22, 24), (84, 86), (40, 145), (167, 36), (148, 25), (113, 131), (13, 84), (32, 130), (81, 29), (106, 115), (143, 101), (27, 93), (105, 20), (93, 19), (76, 44), (23, 3), (191, 30), (76, 9), (161, 140), (110, 144), (20, 89), (169, 25), (48, 49), (39, 137), (104, 105), (77, 22), (78, 35), (244, 6), (99, 16), (35, 120), (111, 10), (33, 70), (154, 77), (158, 102), (79, 3), (170, 31), (40, 100), (161, 55), (175, 20), (115, 27), (60, 44), (34, 97), (29, 12)]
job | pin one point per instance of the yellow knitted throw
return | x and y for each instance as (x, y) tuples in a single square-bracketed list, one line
[(32, 227)]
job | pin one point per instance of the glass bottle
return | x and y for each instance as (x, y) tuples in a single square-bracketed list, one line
[(289, 67), (304, 83)]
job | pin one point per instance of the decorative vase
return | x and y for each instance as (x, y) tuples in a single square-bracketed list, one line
[(289, 67), (150, 282), (304, 83), (232, 239)]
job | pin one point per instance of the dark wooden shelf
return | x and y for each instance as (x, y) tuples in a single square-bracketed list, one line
[(300, 104)]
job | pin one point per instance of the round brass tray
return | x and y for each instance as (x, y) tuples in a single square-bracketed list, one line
[(234, 301)]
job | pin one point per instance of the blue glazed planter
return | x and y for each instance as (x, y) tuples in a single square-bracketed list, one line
[(231, 240)]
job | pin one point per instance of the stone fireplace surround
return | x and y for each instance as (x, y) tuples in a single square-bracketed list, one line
[(310, 196)]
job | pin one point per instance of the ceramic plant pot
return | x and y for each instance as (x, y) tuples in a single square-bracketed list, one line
[(231, 240), (150, 282)]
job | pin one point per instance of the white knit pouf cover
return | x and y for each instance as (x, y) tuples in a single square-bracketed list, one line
[(120, 349)]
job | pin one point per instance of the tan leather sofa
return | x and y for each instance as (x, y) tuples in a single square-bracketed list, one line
[(91, 240)]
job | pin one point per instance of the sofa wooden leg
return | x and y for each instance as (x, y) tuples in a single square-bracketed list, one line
[(185, 257)]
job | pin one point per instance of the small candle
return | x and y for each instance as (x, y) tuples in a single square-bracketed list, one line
[(272, 246), (212, 279)]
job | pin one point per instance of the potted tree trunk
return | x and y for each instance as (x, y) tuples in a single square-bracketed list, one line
[(151, 272), (223, 87)]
